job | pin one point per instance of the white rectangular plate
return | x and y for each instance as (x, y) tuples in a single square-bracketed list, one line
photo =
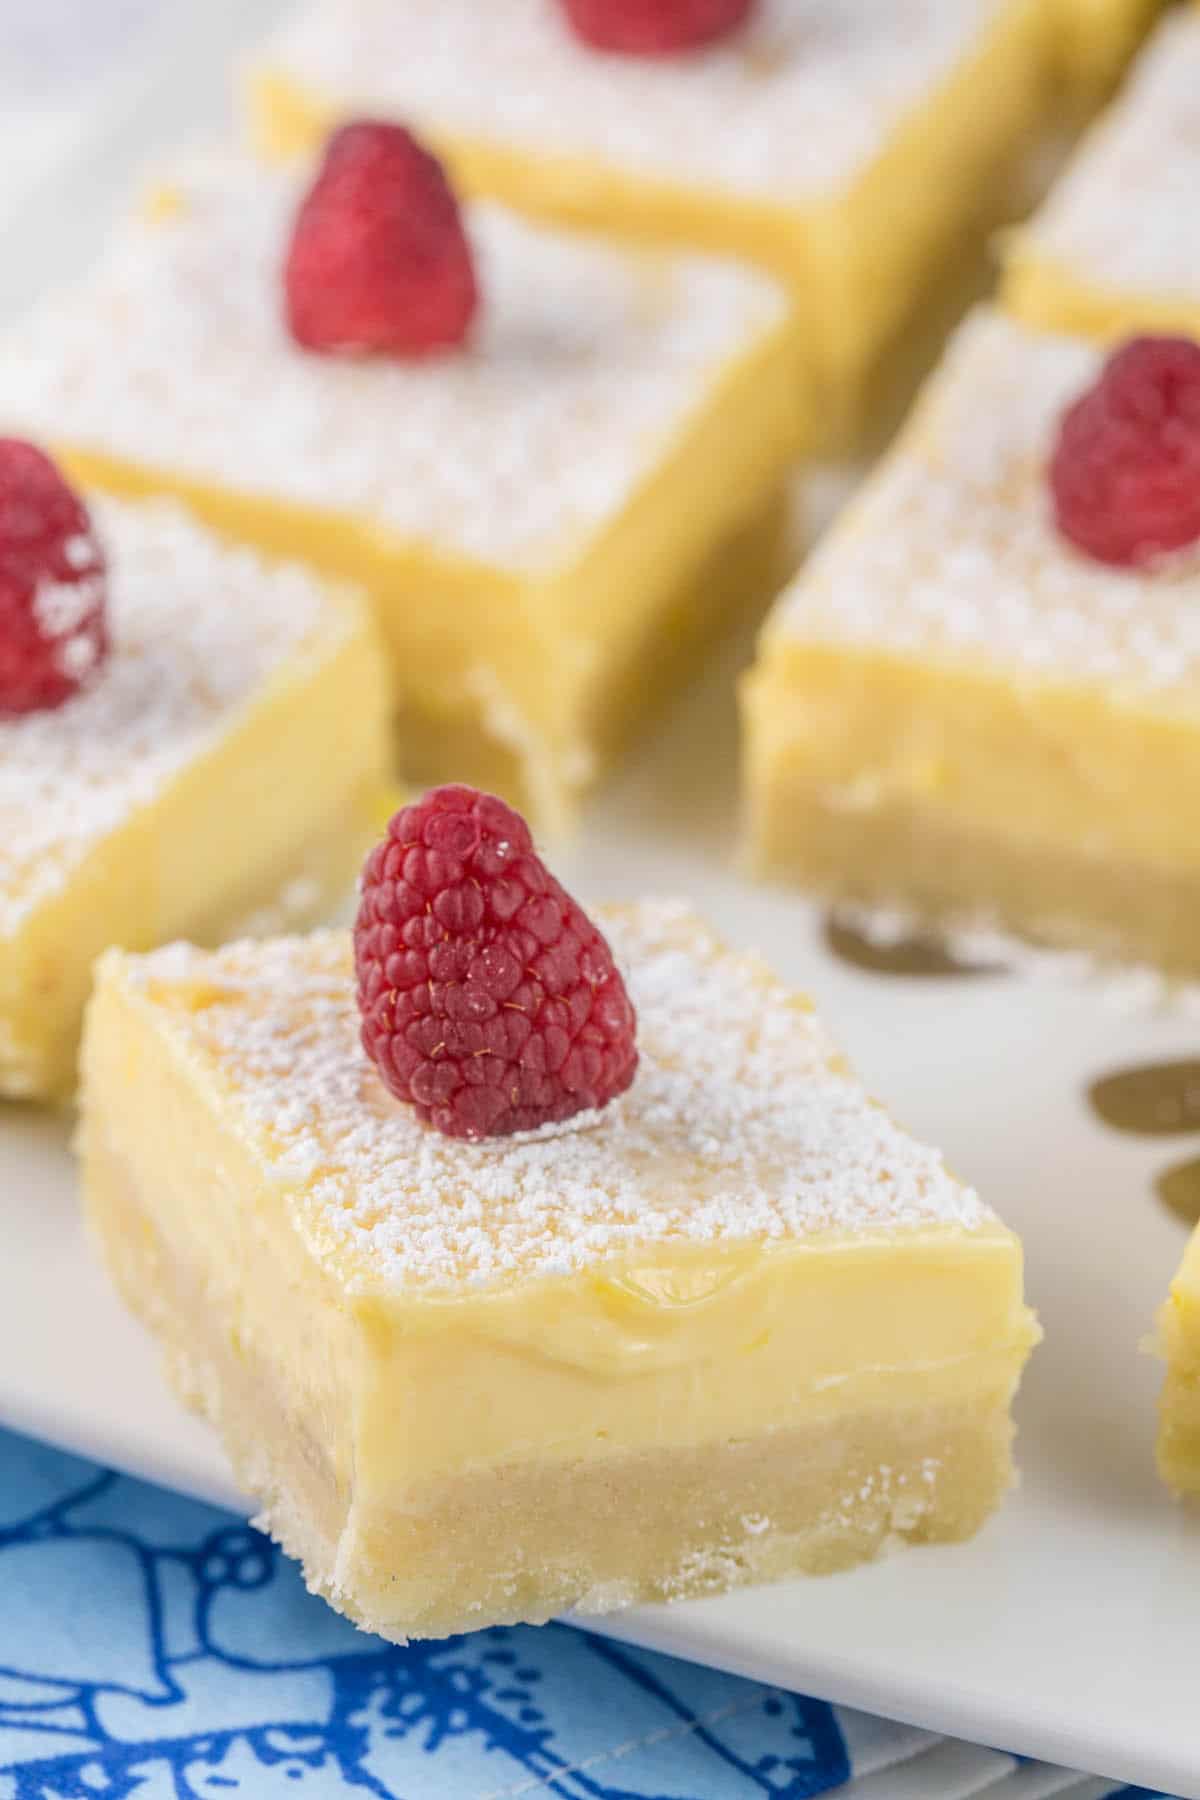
[(1070, 1629)]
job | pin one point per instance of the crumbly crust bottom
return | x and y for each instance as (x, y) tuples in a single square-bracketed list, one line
[(953, 880)]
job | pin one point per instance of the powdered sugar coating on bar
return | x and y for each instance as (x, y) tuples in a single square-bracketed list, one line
[(741, 1124), (791, 110), (1125, 215), (951, 551), (587, 366), (197, 628)]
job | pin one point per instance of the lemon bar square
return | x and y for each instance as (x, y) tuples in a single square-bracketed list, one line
[(228, 761), (547, 521), (1096, 40), (955, 712), (734, 1326), (1116, 248), (1179, 1409), (847, 147)]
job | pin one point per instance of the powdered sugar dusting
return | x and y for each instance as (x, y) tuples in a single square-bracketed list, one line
[(951, 549), (1124, 217), (792, 109), (196, 627), (586, 366), (741, 1124)]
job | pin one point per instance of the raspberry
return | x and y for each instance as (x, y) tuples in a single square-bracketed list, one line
[(53, 635), (489, 1000), (1125, 474), (655, 27), (379, 260)]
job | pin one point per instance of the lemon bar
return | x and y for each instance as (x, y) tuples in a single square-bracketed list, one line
[(1179, 1415), (1096, 40), (847, 147), (227, 765), (547, 521), (733, 1326), (955, 711), (1116, 248)]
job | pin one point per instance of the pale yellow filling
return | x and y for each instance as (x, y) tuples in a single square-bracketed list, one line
[(1044, 806), (1179, 1414), (689, 1351)]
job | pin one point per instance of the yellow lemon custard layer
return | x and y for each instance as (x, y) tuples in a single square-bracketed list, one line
[(546, 519), (1096, 39), (1179, 1415), (955, 711), (226, 762), (849, 148), (1116, 248), (734, 1326)]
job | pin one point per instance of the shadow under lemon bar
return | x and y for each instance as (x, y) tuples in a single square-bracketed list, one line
[(858, 155)]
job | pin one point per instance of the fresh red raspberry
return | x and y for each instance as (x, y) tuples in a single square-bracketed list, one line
[(489, 1000), (53, 635), (379, 260), (655, 27), (1125, 474)]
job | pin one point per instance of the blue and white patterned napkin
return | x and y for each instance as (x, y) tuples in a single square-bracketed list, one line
[(155, 1647)]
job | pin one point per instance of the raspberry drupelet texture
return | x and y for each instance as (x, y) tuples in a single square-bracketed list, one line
[(655, 27), (1125, 474), (379, 261), (53, 633), (489, 1000)]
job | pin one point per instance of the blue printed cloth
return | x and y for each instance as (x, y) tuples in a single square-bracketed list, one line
[(155, 1647)]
